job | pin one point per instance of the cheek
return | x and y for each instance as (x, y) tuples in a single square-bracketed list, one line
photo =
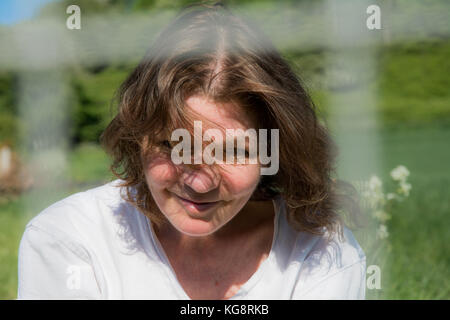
[(160, 172), (241, 181)]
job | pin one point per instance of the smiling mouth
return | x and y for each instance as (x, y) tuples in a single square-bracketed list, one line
[(196, 206)]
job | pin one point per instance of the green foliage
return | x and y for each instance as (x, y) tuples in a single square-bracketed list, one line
[(94, 107), (413, 87), (9, 121), (8, 128), (6, 93), (89, 7)]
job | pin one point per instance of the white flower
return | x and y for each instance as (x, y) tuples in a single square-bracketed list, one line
[(375, 183), (381, 215), (391, 196), (382, 232), (374, 193), (400, 173), (405, 188)]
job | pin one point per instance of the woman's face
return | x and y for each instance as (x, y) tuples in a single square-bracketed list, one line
[(199, 199)]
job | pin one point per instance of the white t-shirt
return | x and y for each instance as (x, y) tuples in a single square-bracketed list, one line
[(94, 245)]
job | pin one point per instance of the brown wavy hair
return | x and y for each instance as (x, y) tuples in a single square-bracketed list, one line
[(208, 50)]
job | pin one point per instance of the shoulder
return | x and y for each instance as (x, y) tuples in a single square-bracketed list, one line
[(333, 252), (333, 268), (78, 231), (325, 252), (324, 266), (323, 255), (79, 212)]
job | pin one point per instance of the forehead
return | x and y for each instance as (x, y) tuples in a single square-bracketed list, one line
[(225, 114)]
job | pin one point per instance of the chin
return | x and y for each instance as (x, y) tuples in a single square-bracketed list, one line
[(190, 221), (196, 227)]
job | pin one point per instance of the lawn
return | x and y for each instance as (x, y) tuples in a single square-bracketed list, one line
[(420, 257), (417, 266)]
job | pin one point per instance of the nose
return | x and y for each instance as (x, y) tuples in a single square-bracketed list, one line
[(201, 178)]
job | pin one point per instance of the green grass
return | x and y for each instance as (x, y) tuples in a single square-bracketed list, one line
[(417, 264), (88, 164), (12, 221), (420, 259)]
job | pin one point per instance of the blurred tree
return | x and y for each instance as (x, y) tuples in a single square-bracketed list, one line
[(93, 104), (8, 109)]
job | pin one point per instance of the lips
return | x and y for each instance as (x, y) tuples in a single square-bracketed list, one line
[(196, 206)]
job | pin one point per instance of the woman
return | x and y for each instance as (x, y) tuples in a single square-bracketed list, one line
[(186, 229)]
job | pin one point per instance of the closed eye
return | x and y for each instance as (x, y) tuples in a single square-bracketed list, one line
[(166, 144), (242, 151)]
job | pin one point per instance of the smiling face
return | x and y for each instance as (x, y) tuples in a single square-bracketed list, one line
[(200, 199)]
